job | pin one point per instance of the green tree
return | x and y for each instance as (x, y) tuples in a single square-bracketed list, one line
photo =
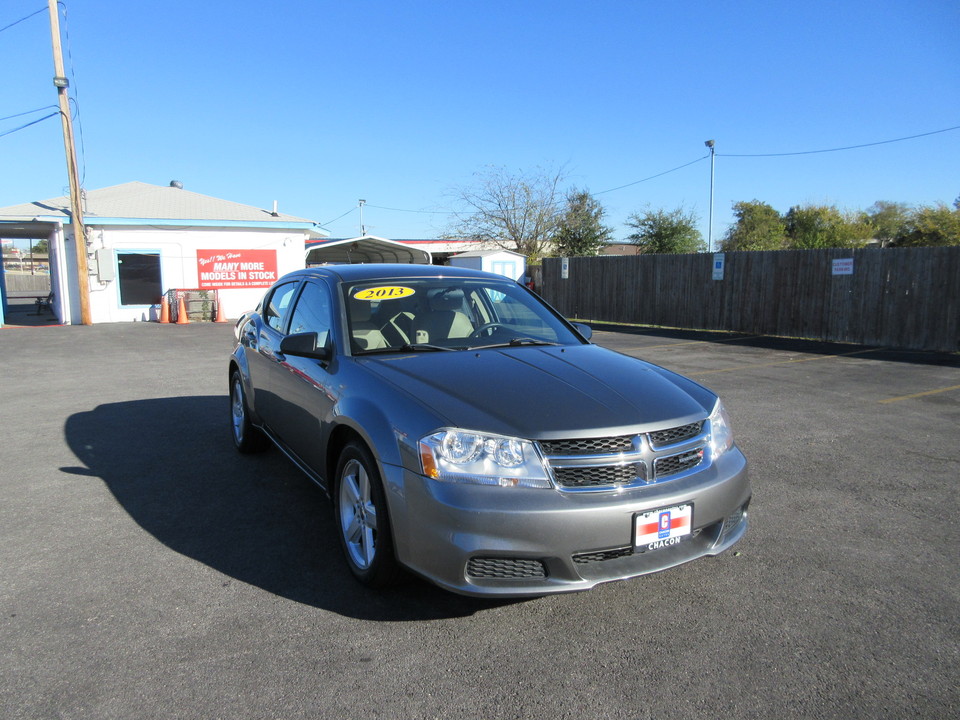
[(888, 221), (758, 227), (823, 226), (41, 247), (514, 211), (580, 230), (932, 225), (665, 232)]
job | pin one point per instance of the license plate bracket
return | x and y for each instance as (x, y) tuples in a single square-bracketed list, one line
[(662, 528)]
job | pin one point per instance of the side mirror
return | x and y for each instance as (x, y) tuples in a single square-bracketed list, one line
[(306, 345), (586, 332)]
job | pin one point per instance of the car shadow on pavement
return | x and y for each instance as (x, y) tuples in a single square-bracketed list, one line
[(172, 466)]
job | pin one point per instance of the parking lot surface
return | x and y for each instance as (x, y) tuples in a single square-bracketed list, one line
[(150, 571)]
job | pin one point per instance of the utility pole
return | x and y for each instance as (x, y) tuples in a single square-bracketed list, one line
[(713, 154), (363, 230), (76, 214)]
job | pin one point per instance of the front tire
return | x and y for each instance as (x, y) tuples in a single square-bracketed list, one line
[(246, 437), (362, 518)]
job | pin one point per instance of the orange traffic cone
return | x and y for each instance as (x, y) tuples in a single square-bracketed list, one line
[(182, 318), (164, 310), (220, 317)]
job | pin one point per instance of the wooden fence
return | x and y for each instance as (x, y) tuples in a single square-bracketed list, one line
[(894, 297)]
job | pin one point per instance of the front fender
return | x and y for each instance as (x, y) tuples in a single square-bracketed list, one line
[(394, 448), (371, 419)]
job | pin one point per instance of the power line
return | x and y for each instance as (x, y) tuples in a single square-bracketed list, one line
[(17, 22), (27, 112), (665, 172), (680, 167), (328, 222), (76, 95), (424, 212), (559, 202), (33, 122), (840, 149)]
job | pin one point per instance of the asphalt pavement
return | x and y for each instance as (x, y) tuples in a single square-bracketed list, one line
[(149, 571)]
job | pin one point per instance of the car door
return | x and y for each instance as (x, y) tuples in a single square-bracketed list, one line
[(303, 388), (262, 340)]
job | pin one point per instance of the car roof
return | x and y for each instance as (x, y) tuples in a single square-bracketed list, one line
[(394, 271)]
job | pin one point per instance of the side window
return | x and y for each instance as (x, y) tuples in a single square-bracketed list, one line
[(519, 316), (278, 304), (313, 312)]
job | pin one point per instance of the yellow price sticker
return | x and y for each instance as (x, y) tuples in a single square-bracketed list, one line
[(387, 292)]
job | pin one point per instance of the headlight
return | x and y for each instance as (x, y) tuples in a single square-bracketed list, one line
[(721, 434), (464, 456)]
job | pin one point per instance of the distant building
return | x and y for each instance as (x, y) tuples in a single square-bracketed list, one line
[(503, 262), (620, 249), (145, 240)]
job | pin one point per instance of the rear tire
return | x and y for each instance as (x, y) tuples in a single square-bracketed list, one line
[(246, 437), (362, 519)]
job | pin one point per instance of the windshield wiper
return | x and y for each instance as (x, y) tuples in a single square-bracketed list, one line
[(408, 347), (417, 347), (515, 342)]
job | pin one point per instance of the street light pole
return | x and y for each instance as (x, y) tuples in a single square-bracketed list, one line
[(363, 230), (713, 154)]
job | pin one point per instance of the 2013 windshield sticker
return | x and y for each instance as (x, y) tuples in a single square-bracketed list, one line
[(387, 292)]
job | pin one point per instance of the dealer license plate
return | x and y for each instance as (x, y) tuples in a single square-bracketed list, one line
[(662, 528)]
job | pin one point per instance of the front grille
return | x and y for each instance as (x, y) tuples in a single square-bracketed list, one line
[(671, 465), (501, 568), (672, 436), (588, 446), (598, 476), (732, 520), (602, 555), (632, 459)]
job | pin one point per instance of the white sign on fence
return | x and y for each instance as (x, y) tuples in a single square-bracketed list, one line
[(843, 266), (564, 268), (718, 266)]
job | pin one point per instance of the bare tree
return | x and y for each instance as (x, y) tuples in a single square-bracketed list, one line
[(513, 211)]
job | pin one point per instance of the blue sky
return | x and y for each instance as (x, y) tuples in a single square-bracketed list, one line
[(317, 104)]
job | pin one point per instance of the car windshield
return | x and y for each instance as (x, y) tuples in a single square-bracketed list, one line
[(426, 314)]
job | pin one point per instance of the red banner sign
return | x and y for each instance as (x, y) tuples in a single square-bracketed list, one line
[(219, 269)]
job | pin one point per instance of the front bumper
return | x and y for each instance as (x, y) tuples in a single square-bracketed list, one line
[(494, 541)]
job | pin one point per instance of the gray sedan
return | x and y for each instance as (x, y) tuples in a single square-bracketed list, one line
[(468, 433)]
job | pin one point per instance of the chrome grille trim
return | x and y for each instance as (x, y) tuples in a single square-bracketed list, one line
[(625, 461)]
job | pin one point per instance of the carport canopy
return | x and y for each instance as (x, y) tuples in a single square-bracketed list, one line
[(366, 249)]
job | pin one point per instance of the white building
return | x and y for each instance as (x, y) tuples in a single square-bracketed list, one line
[(143, 241), (503, 262)]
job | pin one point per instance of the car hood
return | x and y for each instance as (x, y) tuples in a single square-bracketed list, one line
[(544, 392)]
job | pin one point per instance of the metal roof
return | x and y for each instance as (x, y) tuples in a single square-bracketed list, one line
[(366, 249), (395, 271), (138, 201)]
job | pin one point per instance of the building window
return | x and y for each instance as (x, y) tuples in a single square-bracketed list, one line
[(139, 277)]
